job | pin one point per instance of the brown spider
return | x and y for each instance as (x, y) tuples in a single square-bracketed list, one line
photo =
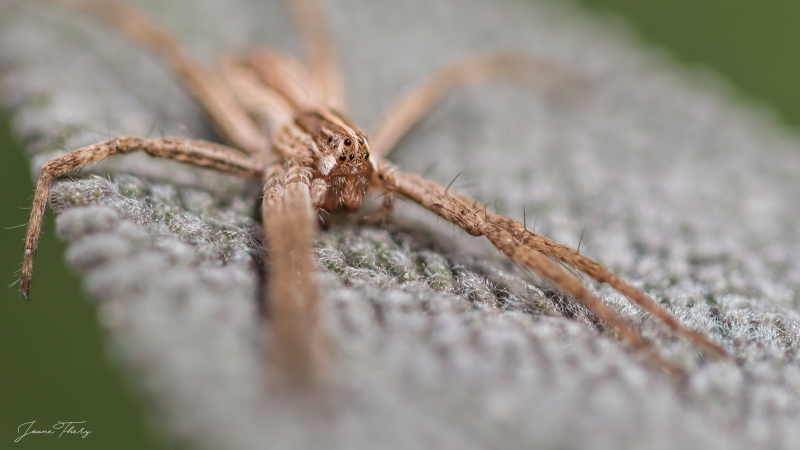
[(285, 125)]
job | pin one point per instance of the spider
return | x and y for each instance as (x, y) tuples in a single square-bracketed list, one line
[(285, 124)]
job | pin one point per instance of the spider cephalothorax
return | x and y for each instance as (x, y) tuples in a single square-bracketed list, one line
[(341, 155)]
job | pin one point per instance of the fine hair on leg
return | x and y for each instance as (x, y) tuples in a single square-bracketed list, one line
[(194, 152), (504, 234)]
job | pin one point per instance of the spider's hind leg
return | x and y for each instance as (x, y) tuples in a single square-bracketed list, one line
[(400, 117), (312, 22), (599, 273), (458, 210), (227, 116)]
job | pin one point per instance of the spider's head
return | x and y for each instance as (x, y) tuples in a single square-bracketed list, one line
[(341, 156), (343, 148)]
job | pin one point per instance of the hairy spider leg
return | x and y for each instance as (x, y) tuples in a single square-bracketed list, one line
[(412, 105), (599, 273), (435, 197), (197, 153)]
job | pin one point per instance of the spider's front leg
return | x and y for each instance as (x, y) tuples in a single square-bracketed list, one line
[(194, 152), (297, 342)]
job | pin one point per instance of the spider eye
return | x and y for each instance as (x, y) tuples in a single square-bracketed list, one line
[(361, 141), (343, 158), (366, 155), (348, 142)]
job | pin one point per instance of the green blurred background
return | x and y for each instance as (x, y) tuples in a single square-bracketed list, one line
[(54, 363)]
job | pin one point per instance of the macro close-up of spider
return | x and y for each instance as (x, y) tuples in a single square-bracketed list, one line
[(285, 126), (295, 269)]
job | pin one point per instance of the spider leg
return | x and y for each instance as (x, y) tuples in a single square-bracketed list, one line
[(268, 108), (398, 119), (477, 222), (311, 20), (286, 76), (197, 153), (227, 116), (592, 268), (297, 342)]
